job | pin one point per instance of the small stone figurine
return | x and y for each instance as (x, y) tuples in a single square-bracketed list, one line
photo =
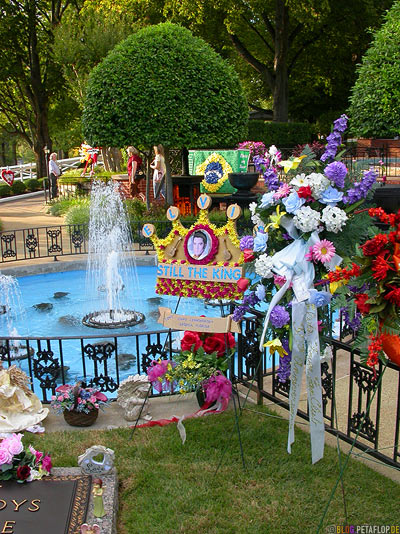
[(98, 505), (87, 529)]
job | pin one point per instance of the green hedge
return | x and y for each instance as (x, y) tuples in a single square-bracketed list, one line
[(18, 187), (5, 190), (281, 134), (33, 184)]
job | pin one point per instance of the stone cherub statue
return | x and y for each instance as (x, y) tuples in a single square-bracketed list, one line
[(132, 394), (87, 529)]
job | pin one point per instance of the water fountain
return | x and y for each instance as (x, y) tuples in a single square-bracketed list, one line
[(109, 260), (11, 312)]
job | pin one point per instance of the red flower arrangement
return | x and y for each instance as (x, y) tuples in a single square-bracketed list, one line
[(374, 280)]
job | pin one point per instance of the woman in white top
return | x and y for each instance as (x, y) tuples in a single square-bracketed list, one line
[(54, 173), (158, 164)]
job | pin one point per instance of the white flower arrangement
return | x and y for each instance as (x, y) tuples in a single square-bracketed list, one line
[(306, 219), (334, 219)]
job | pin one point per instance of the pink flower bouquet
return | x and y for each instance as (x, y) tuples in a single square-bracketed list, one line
[(20, 464)]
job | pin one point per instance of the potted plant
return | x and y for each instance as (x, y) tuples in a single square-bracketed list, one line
[(200, 365), (369, 292), (20, 463), (79, 406)]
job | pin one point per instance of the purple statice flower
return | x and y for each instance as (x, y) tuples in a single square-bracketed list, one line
[(271, 179), (360, 189), (283, 372), (247, 242), (336, 172), (279, 317), (238, 313), (340, 124), (354, 323)]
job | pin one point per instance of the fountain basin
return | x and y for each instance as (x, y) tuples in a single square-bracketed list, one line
[(113, 319)]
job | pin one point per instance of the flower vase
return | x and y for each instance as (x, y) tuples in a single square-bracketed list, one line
[(391, 347), (74, 418)]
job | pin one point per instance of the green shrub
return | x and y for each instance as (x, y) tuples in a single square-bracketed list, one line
[(18, 187), (5, 190), (78, 214), (281, 134), (136, 209), (33, 184), (59, 207)]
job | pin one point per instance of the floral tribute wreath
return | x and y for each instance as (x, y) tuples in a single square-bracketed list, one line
[(214, 274), (215, 170), (306, 223)]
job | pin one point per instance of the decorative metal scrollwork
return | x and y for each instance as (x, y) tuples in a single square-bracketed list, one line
[(99, 352), (77, 238), (103, 383), (46, 368), (10, 246), (250, 350), (4, 353), (154, 351), (31, 243), (367, 430), (54, 247), (282, 387), (364, 378), (327, 384)]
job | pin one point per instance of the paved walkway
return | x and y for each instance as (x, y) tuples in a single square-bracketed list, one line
[(30, 211)]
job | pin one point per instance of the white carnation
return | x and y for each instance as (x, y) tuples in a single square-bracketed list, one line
[(263, 266), (307, 219), (318, 183), (334, 219)]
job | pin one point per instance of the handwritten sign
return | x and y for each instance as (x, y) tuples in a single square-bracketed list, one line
[(56, 505), (216, 325), (200, 272)]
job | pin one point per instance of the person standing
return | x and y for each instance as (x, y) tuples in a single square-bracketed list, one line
[(54, 174), (134, 163), (158, 164)]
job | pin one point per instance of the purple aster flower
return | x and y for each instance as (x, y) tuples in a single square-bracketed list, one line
[(247, 242), (336, 172), (354, 323), (260, 163), (279, 317)]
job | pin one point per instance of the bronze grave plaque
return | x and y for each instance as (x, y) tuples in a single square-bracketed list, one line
[(55, 504)]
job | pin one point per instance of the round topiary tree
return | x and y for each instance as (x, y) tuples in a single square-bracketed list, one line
[(375, 99), (163, 85)]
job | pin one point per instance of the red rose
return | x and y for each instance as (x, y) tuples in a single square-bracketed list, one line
[(227, 338), (23, 472), (214, 344), (375, 245), (243, 284), (189, 339), (360, 301)]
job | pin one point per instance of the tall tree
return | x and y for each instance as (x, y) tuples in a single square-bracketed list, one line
[(162, 85), (273, 37), (29, 77)]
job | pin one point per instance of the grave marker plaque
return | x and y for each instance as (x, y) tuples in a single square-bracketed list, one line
[(53, 505)]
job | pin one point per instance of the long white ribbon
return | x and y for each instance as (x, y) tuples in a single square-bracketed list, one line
[(290, 262)]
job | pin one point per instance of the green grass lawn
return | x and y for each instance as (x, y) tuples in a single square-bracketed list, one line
[(166, 487)]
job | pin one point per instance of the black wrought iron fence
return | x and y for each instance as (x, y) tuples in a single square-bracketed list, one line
[(351, 409), (67, 240)]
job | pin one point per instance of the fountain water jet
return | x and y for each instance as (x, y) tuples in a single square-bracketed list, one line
[(11, 312), (108, 260)]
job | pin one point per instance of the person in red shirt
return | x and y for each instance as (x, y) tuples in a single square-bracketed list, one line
[(134, 163)]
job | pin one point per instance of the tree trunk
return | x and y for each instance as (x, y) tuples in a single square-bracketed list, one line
[(168, 180), (106, 163), (14, 152), (281, 92)]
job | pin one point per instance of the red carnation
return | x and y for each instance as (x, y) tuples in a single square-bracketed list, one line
[(305, 192), (214, 344), (375, 245), (189, 339), (248, 255), (361, 302), (23, 472)]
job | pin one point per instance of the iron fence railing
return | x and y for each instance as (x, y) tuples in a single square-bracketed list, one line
[(66, 240), (351, 407)]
